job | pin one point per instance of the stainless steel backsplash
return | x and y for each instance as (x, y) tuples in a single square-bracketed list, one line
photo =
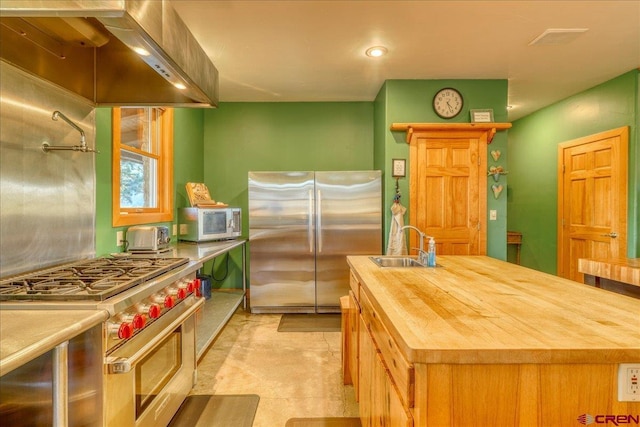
[(47, 200)]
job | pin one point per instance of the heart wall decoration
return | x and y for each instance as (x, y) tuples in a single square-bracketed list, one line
[(496, 171), (495, 154), (497, 189)]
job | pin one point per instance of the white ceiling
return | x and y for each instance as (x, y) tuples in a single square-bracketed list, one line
[(305, 50)]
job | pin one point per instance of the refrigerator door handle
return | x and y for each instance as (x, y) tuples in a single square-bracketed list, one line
[(319, 220), (310, 221)]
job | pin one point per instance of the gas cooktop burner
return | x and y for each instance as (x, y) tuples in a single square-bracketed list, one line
[(95, 279)]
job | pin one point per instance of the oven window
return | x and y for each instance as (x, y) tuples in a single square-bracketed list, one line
[(157, 369), (214, 222)]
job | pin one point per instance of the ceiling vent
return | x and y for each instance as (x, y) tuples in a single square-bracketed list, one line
[(555, 36)]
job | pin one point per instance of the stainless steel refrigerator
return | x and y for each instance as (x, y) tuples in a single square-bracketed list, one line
[(302, 225)]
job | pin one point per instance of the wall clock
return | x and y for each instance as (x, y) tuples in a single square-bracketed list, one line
[(448, 103)]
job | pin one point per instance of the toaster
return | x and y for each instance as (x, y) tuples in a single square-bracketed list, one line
[(147, 238)]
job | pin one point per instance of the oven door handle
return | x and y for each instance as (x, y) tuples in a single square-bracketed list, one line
[(122, 365)]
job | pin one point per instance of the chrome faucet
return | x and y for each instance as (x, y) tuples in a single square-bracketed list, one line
[(422, 255), (83, 142)]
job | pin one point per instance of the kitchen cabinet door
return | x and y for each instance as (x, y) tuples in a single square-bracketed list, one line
[(366, 378), (380, 403), (353, 345), (397, 414)]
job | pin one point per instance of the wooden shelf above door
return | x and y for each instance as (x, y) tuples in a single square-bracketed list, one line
[(410, 128)]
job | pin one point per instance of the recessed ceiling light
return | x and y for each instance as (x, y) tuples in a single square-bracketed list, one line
[(376, 51)]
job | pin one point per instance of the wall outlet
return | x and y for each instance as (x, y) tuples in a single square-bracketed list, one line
[(119, 238), (629, 382), (183, 229), (175, 229), (493, 215)]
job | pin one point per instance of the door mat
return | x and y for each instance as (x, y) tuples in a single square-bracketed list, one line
[(323, 422), (236, 410), (310, 323)]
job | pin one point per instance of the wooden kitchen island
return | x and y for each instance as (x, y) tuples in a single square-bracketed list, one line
[(482, 342)]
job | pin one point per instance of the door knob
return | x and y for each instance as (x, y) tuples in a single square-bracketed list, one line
[(613, 235)]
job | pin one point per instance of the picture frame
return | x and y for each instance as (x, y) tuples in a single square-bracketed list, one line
[(399, 168), (481, 115)]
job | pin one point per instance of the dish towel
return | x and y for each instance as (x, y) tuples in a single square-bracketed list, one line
[(396, 244)]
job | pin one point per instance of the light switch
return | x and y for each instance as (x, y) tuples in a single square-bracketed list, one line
[(493, 215)]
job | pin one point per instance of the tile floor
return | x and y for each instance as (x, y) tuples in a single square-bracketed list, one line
[(296, 374)]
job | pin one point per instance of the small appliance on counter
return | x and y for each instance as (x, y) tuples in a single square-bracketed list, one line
[(142, 238), (207, 224), (207, 220)]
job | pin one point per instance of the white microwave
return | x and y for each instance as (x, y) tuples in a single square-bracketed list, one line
[(206, 224)]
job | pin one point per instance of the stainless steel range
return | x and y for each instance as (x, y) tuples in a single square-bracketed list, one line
[(95, 279), (149, 338)]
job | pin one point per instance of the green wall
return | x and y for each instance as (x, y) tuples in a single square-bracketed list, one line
[(105, 233), (409, 101), (532, 151), (241, 137), (188, 146), (188, 166)]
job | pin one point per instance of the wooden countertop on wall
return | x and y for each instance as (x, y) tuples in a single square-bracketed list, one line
[(625, 270), (476, 309)]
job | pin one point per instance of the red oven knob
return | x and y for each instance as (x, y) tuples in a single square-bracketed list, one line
[(182, 291), (164, 300), (188, 286), (137, 320), (169, 301), (193, 285), (125, 331), (154, 311), (151, 311), (197, 284)]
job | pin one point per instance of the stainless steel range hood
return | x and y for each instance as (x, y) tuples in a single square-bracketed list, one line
[(111, 52)]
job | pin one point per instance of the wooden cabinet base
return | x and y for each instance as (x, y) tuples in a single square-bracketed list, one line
[(481, 342), (516, 395)]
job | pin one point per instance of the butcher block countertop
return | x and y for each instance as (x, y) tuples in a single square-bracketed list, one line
[(479, 310), (625, 270)]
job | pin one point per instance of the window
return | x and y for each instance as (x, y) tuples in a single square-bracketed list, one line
[(142, 165)]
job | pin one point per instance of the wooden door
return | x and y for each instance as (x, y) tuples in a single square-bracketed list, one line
[(448, 190), (592, 199)]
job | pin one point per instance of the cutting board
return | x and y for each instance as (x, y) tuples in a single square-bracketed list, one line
[(199, 196)]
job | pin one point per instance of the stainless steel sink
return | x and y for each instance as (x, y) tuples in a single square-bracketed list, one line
[(395, 261)]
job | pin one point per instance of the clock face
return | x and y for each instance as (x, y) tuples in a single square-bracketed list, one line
[(447, 103)]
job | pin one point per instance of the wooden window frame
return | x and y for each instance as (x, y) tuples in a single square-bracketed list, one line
[(164, 210)]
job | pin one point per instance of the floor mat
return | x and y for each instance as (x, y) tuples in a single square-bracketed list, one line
[(323, 422), (310, 323), (236, 410)]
